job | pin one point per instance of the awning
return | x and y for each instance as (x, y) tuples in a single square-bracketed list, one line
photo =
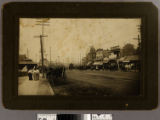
[(122, 59), (132, 58), (98, 63), (89, 63), (24, 69), (125, 61)]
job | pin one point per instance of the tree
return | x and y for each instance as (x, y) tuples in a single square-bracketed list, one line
[(128, 49)]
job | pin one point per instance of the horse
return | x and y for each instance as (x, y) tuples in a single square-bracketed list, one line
[(53, 73)]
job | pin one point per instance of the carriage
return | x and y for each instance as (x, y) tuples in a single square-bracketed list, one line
[(55, 74)]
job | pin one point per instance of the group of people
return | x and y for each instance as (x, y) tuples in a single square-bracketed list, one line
[(33, 74)]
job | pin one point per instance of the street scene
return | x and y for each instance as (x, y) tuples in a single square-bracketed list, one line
[(79, 57)]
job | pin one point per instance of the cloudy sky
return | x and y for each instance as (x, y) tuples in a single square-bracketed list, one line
[(70, 39)]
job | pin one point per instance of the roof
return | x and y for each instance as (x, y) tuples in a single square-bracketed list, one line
[(122, 59), (22, 57), (130, 58), (100, 49), (115, 48), (26, 62)]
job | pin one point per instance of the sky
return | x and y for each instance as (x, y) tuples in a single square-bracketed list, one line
[(69, 40)]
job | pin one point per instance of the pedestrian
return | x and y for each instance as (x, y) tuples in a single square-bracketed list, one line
[(128, 67), (37, 74), (34, 73), (30, 74)]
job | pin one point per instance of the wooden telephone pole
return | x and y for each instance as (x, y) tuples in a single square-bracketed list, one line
[(50, 54), (42, 23), (138, 38)]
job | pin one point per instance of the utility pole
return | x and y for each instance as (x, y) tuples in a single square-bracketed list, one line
[(42, 23), (138, 38), (80, 59), (27, 53), (36, 58), (58, 60), (42, 55), (50, 55)]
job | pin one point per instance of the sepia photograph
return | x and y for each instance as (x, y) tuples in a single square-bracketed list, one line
[(79, 56), (69, 56)]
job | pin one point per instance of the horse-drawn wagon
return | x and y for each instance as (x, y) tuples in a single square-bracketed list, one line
[(55, 74)]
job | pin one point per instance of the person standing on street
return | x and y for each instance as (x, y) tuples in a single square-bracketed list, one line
[(30, 74), (34, 73), (37, 74)]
